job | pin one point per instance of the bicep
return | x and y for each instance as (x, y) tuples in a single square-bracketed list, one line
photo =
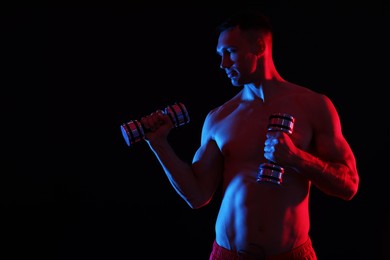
[(330, 142), (208, 162)]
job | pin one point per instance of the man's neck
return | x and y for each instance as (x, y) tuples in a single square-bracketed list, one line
[(251, 92)]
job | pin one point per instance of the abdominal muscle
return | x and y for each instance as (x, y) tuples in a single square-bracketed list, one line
[(262, 219)]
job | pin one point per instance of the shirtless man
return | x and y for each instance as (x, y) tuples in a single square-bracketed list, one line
[(259, 220)]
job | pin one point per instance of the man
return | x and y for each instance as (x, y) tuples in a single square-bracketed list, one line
[(259, 219)]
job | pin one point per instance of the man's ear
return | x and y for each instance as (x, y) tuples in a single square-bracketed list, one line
[(260, 47)]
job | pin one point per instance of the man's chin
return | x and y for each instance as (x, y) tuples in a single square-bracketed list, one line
[(236, 83)]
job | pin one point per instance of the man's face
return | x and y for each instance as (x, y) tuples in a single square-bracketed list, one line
[(238, 57)]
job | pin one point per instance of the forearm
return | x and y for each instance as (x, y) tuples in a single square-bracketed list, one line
[(336, 179)]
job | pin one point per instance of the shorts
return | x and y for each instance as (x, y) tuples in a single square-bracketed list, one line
[(302, 252)]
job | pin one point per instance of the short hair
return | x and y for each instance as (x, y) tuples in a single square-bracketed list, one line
[(246, 20)]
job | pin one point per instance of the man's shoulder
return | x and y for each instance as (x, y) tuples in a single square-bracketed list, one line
[(298, 89), (303, 92), (226, 105)]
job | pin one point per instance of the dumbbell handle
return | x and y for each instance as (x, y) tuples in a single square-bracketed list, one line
[(272, 172)]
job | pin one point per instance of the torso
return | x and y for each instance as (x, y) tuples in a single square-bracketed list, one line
[(277, 215)]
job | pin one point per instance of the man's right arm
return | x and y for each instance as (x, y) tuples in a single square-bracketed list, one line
[(196, 182)]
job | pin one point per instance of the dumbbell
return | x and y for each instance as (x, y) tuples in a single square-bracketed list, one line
[(133, 131), (270, 171)]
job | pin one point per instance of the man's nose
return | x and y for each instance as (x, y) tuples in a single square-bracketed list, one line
[(225, 63)]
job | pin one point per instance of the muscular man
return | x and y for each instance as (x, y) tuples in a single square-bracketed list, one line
[(258, 220)]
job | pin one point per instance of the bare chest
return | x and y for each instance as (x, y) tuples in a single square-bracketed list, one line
[(241, 133)]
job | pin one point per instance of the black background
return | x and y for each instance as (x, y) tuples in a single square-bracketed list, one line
[(72, 189)]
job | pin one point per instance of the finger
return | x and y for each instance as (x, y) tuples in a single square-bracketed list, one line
[(149, 122), (271, 141), (269, 149)]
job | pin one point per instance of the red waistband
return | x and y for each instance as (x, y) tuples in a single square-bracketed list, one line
[(304, 251)]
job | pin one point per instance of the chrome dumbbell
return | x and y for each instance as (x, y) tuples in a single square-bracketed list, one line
[(133, 131), (270, 171)]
